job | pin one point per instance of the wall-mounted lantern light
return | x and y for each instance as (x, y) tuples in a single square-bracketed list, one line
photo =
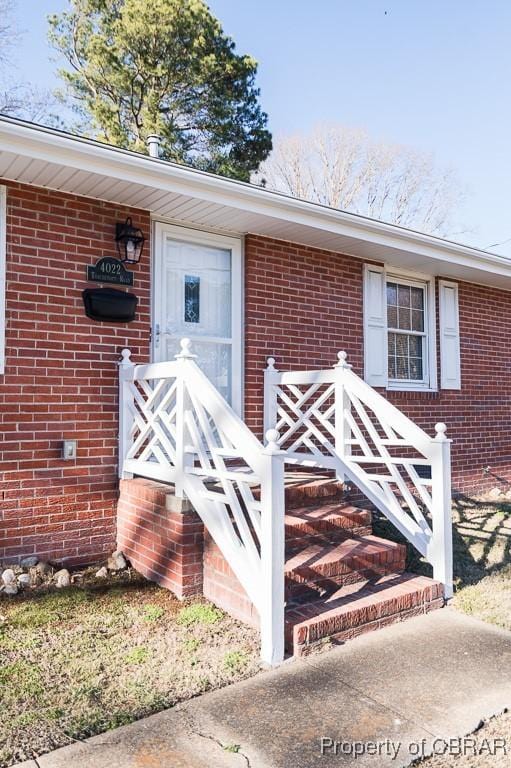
[(130, 242)]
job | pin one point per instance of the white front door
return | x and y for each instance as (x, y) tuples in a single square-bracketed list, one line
[(197, 293)]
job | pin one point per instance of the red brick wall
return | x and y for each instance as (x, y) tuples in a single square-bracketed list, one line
[(304, 304), (61, 377), (162, 538)]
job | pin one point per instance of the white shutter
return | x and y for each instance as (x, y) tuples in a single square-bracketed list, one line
[(375, 326), (3, 226), (450, 366)]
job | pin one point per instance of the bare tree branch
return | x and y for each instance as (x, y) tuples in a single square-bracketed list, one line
[(344, 168), (9, 33)]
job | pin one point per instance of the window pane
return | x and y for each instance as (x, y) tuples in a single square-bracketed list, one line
[(416, 368), (415, 346), (192, 299), (402, 368), (417, 320), (404, 296), (392, 294), (418, 298), (405, 321), (401, 345), (406, 307), (392, 317)]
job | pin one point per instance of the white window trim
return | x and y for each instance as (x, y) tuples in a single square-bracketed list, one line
[(3, 258), (235, 245), (430, 383)]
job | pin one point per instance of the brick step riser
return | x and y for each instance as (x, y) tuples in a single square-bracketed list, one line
[(340, 574), (295, 500), (299, 591), (296, 540), (302, 639), (343, 635)]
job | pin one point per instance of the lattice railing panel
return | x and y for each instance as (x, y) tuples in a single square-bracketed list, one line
[(176, 427), (333, 419)]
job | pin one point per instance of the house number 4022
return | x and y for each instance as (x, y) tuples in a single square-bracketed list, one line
[(109, 270)]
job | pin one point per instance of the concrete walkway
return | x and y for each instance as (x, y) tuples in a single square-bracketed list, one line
[(435, 676)]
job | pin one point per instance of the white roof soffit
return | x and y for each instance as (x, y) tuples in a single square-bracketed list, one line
[(47, 158)]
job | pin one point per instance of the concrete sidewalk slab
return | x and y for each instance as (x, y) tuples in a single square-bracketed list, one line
[(430, 677)]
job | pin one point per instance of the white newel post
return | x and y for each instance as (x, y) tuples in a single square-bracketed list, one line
[(441, 546), (342, 405), (126, 406), (271, 379), (182, 458), (272, 551)]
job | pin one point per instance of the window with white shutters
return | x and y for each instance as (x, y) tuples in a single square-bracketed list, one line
[(399, 330)]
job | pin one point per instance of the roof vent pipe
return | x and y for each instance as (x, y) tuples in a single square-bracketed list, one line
[(153, 144)]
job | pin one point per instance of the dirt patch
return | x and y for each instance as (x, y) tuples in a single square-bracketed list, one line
[(489, 746), (82, 660)]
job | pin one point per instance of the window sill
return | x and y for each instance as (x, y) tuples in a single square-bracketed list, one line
[(404, 388)]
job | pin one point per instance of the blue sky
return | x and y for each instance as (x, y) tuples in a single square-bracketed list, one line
[(432, 74)]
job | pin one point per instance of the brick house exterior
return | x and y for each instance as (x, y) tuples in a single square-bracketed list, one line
[(60, 378), (289, 316), (302, 303)]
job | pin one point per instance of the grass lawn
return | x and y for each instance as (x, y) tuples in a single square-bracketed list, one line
[(482, 575), (482, 558), (82, 660)]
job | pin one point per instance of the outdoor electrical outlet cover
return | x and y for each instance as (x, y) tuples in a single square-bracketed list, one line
[(69, 449)]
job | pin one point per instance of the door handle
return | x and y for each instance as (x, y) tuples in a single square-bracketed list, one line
[(157, 335)]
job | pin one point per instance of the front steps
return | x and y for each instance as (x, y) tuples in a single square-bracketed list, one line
[(358, 608), (342, 581)]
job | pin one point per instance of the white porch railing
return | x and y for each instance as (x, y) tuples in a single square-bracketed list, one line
[(333, 419), (176, 427)]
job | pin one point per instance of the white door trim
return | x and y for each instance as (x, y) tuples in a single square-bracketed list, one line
[(234, 244)]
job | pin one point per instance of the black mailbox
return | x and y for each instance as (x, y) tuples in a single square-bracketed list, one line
[(109, 305)]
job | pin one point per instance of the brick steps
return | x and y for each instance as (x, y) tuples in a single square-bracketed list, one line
[(358, 608), (332, 522), (309, 490), (323, 567), (341, 580)]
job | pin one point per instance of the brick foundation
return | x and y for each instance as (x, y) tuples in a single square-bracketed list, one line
[(162, 537), (223, 588), (165, 541)]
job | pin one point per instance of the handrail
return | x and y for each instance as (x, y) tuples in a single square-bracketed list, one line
[(175, 426), (332, 418)]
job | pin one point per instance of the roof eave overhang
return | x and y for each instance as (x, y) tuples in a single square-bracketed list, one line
[(254, 209)]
